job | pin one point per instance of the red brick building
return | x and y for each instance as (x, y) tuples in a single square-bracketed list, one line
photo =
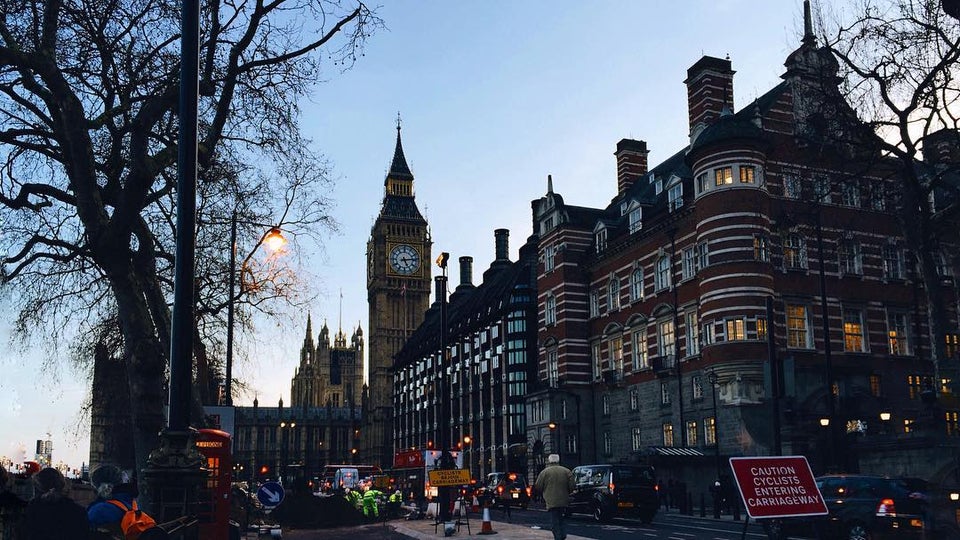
[(656, 305)]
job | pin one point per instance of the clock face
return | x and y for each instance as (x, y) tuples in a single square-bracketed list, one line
[(404, 259)]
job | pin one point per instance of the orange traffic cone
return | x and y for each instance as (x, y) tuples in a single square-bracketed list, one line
[(475, 506), (486, 527)]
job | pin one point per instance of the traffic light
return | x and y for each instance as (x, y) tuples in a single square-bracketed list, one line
[(264, 470)]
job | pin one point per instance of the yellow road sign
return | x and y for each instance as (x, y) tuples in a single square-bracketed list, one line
[(449, 477)]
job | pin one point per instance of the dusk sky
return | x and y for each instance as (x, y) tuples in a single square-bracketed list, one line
[(494, 96)]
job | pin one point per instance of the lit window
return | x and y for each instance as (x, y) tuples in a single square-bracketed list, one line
[(710, 431), (761, 328), (691, 432), (692, 330), (853, 334), (668, 434), (723, 176), (613, 294), (747, 174), (914, 386), (615, 348), (953, 422), (736, 330), (666, 335), (875, 385), (636, 285), (908, 425), (897, 334), (640, 350), (798, 335)]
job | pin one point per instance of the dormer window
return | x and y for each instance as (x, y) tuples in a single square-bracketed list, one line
[(675, 196), (659, 187), (601, 239), (623, 208), (635, 220)]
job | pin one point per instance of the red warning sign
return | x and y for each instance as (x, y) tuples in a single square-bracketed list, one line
[(777, 486)]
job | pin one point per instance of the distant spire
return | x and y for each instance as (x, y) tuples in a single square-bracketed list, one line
[(808, 37), (309, 326), (340, 317), (549, 183), (399, 168)]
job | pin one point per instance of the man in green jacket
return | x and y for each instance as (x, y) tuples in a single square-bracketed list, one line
[(370, 502), (555, 483)]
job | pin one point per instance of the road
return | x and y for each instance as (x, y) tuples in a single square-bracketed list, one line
[(667, 526)]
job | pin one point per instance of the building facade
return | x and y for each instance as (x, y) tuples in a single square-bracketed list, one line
[(398, 293), (486, 370), (320, 426), (734, 296)]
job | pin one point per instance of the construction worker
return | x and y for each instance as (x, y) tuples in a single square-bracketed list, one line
[(352, 497), (370, 502), (393, 504)]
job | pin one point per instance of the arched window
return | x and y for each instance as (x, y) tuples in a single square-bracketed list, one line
[(613, 294), (663, 273), (551, 310), (636, 285)]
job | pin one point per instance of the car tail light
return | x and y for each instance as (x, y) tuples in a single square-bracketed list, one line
[(886, 508), (612, 487), (656, 487), (529, 490), (499, 489)]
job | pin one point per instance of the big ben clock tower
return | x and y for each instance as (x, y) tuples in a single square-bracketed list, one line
[(398, 292)]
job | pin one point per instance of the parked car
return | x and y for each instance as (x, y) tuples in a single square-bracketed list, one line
[(506, 489), (863, 507), (609, 491)]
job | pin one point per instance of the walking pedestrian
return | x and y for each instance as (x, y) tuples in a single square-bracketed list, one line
[(52, 515), (555, 483)]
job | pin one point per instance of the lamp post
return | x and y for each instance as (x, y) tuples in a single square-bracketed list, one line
[(446, 459), (827, 347), (285, 428), (274, 240), (714, 381)]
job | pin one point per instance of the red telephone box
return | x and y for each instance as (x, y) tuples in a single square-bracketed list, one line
[(214, 500)]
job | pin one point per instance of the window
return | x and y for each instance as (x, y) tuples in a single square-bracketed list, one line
[(668, 434), (710, 431), (897, 334), (875, 386), (953, 422), (548, 258), (691, 432), (914, 386), (798, 334), (570, 443), (675, 196), (878, 199), (607, 443), (853, 334), (658, 186), (634, 400), (595, 360), (761, 251), (563, 409), (908, 425), (601, 240), (615, 348), (850, 194), (635, 441), (605, 403), (701, 183), (640, 350), (594, 303), (703, 255), (821, 189), (851, 261), (692, 329), (747, 173), (636, 285), (892, 261), (736, 329), (761, 328), (794, 252), (688, 263), (550, 315), (792, 187), (636, 222), (723, 176), (665, 331), (664, 393), (946, 386), (613, 294), (553, 369), (952, 345), (697, 381), (663, 273), (943, 265)]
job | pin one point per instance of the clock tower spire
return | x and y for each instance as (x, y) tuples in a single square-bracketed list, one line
[(398, 295)]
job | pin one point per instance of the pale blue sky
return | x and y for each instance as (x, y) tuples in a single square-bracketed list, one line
[(494, 96)]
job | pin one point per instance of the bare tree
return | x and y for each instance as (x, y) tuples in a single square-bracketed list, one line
[(895, 63), (88, 141)]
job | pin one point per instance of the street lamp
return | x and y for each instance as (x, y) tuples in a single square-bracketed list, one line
[(714, 381), (274, 241), (446, 460), (285, 428)]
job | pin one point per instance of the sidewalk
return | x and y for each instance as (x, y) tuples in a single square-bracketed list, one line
[(422, 529)]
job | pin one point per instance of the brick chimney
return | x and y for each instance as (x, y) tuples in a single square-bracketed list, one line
[(631, 162), (709, 90)]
